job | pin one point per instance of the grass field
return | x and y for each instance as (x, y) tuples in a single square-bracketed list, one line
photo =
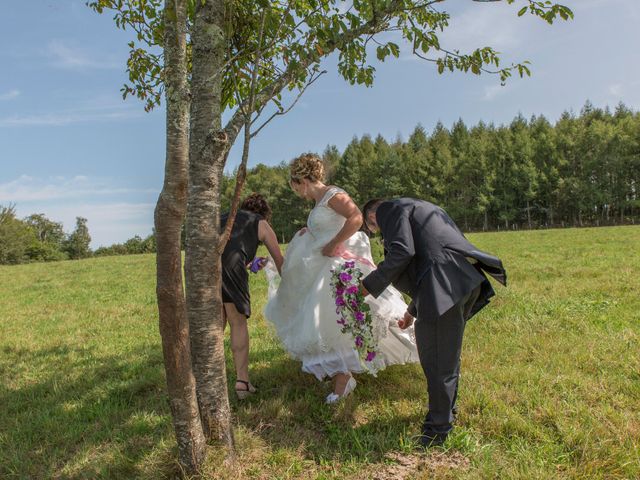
[(550, 384)]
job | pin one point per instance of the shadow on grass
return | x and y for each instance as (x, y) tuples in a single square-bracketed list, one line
[(289, 411), (82, 415), (76, 414)]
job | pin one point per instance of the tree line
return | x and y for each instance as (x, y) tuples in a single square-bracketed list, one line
[(582, 171), (36, 238)]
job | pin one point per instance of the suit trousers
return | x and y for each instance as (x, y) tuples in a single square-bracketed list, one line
[(439, 342)]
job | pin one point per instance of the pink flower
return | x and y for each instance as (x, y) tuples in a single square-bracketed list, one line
[(359, 342), (360, 316), (350, 264), (370, 356), (339, 291), (339, 301), (352, 289), (345, 277)]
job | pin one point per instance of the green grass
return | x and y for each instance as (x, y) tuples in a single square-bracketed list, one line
[(550, 384)]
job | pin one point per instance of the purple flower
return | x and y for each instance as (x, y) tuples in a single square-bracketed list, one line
[(345, 277), (341, 321), (339, 291), (360, 316), (352, 289), (370, 356), (359, 342), (339, 301), (353, 304), (350, 264)]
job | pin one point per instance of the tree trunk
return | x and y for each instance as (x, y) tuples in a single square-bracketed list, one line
[(169, 214), (208, 148)]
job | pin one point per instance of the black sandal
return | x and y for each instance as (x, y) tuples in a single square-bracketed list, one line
[(247, 391)]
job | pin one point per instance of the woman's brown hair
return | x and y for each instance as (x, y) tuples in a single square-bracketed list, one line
[(309, 166), (256, 203)]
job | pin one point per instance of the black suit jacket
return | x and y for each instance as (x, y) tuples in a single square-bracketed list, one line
[(425, 250)]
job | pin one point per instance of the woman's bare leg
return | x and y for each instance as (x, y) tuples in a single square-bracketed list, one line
[(239, 342)]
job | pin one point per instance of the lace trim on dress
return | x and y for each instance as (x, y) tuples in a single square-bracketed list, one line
[(329, 194)]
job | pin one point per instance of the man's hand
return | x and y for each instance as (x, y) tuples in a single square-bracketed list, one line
[(406, 321)]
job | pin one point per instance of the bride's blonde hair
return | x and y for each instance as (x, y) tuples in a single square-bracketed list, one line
[(309, 166)]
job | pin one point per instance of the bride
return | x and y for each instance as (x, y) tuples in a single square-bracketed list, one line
[(302, 308)]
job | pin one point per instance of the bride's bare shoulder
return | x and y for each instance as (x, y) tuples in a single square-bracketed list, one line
[(336, 190)]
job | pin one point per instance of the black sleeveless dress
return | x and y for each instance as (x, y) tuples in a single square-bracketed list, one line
[(240, 250)]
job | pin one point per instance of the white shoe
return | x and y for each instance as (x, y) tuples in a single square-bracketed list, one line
[(349, 387)]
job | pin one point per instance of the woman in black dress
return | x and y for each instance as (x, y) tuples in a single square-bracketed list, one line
[(249, 229)]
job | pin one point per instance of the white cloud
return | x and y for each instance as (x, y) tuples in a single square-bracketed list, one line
[(95, 108), (491, 24), (615, 90), (10, 95), (27, 189), (65, 56), (61, 119), (494, 90)]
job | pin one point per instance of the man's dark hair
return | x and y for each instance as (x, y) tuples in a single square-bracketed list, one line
[(256, 203), (371, 205)]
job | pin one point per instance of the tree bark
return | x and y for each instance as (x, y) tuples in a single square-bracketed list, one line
[(169, 214), (208, 148)]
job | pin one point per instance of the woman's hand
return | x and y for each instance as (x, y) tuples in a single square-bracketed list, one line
[(331, 249), (406, 321)]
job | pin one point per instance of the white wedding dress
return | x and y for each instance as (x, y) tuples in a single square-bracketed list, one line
[(303, 311)]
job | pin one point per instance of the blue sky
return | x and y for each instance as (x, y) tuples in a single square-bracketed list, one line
[(69, 145)]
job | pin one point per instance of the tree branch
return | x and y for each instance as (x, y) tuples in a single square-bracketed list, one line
[(285, 111), (235, 123), (242, 170)]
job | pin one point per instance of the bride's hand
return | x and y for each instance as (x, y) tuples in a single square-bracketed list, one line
[(406, 321), (330, 250)]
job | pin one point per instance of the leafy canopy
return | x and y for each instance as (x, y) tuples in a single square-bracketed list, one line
[(293, 37)]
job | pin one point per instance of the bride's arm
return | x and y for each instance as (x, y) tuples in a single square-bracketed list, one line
[(267, 236), (342, 204)]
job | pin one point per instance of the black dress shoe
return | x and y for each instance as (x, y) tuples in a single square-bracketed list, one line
[(428, 440)]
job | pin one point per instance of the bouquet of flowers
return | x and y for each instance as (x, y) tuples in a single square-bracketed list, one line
[(354, 314)]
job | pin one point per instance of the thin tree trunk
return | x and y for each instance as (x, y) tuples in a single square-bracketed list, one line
[(208, 148), (169, 214), (241, 176)]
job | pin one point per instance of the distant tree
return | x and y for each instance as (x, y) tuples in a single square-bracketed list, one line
[(49, 242), (137, 245), (46, 230), (77, 243), (15, 237), (331, 159)]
